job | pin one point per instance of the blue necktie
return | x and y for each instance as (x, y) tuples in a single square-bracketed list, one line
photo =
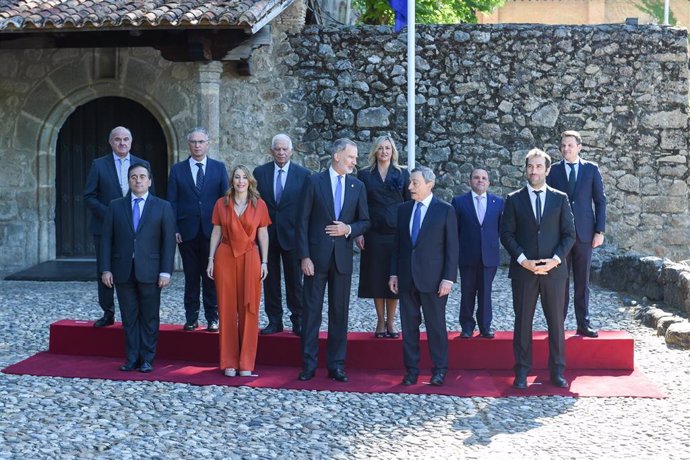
[(416, 222), (338, 197), (200, 176), (136, 213), (279, 186)]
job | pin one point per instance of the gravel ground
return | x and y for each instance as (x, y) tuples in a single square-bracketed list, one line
[(81, 418)]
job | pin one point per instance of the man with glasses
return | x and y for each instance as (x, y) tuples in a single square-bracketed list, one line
[(194, 186)]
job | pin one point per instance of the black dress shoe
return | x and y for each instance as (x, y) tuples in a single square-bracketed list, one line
[(488, 334), (212, 326), (338, 375), (437, 379), (559, 381), (587, 332), (409, 379), (297, 329), (465, 335), (105, 320), (190, 326), (305, 375), (520, 382), (271, 329), (128, 366), (146, 367)]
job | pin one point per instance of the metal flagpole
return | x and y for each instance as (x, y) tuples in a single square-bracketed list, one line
[(411, 138), (666, 10)]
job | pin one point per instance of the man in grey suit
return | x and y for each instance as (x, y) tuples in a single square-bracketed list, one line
[(137, 252), (538, 230), (280, 183), (107, 180), (423, 269), (334, 212)]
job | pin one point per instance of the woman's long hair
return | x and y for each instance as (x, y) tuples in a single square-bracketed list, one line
[(252, 190), (375, 146)]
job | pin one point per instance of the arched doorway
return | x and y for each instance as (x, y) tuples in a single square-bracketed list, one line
[(83, 137)]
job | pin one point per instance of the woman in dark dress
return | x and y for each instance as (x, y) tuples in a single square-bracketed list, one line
[(386, 184)]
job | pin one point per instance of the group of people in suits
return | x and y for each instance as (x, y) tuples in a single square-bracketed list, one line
[(247, 226)]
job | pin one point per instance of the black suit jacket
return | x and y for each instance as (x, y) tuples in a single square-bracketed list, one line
[(520, 233), (152, 246), (435, 255), (317, 212), (191, 207), (589, 190), (283, 215), (102, 187)]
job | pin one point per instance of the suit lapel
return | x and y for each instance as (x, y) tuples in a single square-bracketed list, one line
[(327, 193), (469, 205), (113, 171), (427, 218), (190, 176), (527, 204)]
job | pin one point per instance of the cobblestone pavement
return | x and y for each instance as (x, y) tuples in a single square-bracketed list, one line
[(81, 418)]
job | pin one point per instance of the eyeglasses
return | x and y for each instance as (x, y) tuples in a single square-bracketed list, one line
[(196, 142)]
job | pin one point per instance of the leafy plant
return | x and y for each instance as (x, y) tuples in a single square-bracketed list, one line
[(655, 8), (426, 11)]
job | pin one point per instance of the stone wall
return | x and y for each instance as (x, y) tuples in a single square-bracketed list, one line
[(487, 94)]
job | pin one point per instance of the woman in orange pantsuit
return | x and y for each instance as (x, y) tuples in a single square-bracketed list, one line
[(239, 220)]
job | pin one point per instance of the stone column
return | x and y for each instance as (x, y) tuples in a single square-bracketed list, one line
[(209, 102)]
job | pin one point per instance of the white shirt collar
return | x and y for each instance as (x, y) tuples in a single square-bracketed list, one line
[(474, 195), (284, 168), (193, 162), (426, 201), (116, 157), (532, 189), (144, 196)]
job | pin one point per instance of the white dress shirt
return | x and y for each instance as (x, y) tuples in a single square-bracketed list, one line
[(422, 212), (141, 214), (533, 200), (194, 168)]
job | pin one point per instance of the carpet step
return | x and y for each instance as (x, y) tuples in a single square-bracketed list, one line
[(611, 350)]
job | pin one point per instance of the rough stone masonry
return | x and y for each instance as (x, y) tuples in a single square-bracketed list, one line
[(487, 94)]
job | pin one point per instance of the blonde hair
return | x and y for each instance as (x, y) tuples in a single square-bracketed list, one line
[(375, 146), (252, 190)]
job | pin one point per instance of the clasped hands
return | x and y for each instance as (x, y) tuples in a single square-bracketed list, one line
[(540, 266)]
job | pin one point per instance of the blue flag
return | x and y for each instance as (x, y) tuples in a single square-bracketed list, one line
[(400, 8)]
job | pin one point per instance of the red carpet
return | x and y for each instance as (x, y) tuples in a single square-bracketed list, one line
[(479, 367)]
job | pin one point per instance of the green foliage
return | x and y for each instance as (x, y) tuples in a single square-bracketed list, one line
[(655, 8), (427, 11)]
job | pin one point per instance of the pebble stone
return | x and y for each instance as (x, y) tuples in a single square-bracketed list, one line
[(83, 418)]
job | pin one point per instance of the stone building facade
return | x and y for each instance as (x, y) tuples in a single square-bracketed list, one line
[(486, 94)]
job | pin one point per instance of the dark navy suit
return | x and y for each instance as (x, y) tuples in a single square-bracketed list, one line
[(589, 193), (520, 234), (420, 268), (478, 259), (136, 260), (282, 243), (102, 187), (332, 258), (193, 209)]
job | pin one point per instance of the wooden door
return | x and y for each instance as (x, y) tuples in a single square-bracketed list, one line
[(83, 137)]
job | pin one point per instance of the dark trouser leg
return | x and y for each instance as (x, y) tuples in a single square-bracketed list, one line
[(128, 300), (192, 278), (410, 320), (434, 309), (208, 286), (525, 293), (149, 319), (468, 293), (293, 284), (580, 259), (484, 305), (314, 288), (106, 295), (551, 299), (272, 295), (339, 285)]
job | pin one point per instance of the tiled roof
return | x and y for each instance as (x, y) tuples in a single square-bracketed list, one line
[(33, 15)]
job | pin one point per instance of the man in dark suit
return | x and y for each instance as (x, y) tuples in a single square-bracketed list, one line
[(194, 186), (423, 269), (107, 180), (537, 229), (582, 181), (280, 183), (137, 253), (333, 213), (479, 217)]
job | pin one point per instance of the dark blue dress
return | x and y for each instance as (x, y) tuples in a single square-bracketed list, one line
[(383, 199)]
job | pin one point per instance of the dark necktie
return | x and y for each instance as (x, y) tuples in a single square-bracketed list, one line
[(279, 185), (416, 222), (537, 205), (199, 176), (571, 180), (338, 197), (136, 213)]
